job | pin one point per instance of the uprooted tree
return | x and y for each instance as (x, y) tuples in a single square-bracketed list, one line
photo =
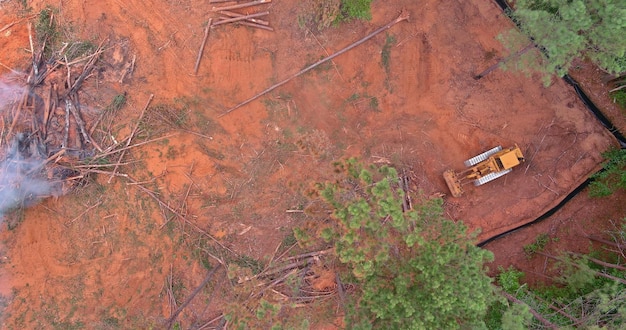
[(414, 269)]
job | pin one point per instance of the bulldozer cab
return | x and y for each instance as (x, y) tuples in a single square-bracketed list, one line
[(510, 159)]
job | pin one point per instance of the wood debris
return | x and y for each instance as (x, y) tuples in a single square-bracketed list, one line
[(49, 143), (227, 15)]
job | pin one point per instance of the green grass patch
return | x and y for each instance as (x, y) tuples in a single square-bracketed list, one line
[(619, 97), (355, 9), (385, 54)]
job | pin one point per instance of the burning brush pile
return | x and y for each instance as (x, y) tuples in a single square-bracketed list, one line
[(47, 145)]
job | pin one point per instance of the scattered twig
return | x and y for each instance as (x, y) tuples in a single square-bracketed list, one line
[(128, 69), (10, 69), (539, 146), (402, 17), (196, 133), (104, 165), (108, 153), (8, 26), (132, 134), (327, 54), (86, 69), (169, 208), (310, 254), (543, 185), (85, 212)]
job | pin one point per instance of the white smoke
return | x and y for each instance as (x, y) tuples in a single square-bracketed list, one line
[(22, 181), (22, 178), (8, 92)]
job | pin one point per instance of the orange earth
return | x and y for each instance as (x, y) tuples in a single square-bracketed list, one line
[(105, 256)]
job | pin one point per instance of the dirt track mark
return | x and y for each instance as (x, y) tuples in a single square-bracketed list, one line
[(424, 67)]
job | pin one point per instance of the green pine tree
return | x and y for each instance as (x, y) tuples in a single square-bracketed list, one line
[(570, 29), (415, 269)]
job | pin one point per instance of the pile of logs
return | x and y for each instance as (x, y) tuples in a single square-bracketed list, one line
[(227, 15), (247, 19)]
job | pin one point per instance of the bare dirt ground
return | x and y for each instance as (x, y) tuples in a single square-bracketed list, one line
[(406, 97)]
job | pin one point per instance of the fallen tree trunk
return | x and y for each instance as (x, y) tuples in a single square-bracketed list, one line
[(402, 17)]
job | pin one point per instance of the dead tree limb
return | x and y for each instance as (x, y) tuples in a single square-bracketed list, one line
[(66, 128), (532, 311), (172, 319), (600, 262), (607, 242), (32, 50), (402, 17), (18, 110), (505, 60), (253, 20), (73, 107), (598, 273), (206, 36), (242, 5), (241, 18), (255, 25), (557, 309)]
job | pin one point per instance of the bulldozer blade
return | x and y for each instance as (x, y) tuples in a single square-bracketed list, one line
[(453, 183)]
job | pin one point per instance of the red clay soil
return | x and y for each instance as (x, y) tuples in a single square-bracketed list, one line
[(407, 97)]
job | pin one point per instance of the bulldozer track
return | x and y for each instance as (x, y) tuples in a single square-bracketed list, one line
[(475, 160), (490, 177)]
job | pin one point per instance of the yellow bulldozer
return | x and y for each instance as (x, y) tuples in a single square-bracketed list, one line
[(483, 168)]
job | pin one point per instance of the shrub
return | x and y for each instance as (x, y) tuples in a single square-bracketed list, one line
[(612, 177)]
